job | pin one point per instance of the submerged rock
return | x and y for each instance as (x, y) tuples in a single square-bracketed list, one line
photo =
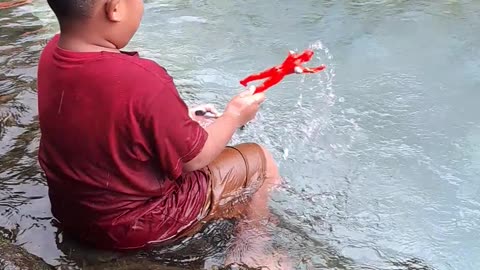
[(13, 257)]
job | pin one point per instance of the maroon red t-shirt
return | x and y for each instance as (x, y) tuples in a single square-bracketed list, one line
[(115, 136)]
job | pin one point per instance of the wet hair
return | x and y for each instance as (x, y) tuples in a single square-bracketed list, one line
[(71, 10)]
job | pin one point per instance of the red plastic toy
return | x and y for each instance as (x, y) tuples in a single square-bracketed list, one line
[(292, 64), (12, 4)]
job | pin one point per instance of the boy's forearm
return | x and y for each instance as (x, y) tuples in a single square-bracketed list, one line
[(219, 134)]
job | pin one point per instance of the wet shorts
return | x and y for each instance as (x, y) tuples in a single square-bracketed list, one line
[(233, 178)]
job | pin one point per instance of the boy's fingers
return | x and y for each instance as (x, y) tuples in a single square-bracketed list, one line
[(210, 108), (245, 93), (213, 110), (256, 99), (252, 89), (202, 110), (259, 98)]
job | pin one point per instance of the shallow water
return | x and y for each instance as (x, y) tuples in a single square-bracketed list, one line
[(381, 153)]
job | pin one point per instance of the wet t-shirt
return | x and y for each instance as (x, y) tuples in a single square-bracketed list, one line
[(115, 136)]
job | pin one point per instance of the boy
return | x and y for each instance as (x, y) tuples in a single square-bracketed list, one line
[(125, 163)]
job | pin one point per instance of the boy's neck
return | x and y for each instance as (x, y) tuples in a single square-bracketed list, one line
[(77, 41)]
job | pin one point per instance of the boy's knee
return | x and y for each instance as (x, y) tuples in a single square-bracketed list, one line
[(272, 174), (270, 166)]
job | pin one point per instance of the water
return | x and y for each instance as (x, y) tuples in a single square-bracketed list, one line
[(381, 153)]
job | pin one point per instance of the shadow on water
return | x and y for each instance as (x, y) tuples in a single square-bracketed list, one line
[(24, 210)]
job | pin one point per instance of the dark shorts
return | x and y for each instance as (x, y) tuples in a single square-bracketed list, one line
[(233, 178)]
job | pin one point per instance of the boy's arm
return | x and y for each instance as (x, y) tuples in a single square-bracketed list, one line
[(239, 111), (220, 133), (177, 143)]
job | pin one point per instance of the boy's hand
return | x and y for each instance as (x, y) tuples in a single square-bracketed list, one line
[(240, 110), (244, 107), (202, 112)]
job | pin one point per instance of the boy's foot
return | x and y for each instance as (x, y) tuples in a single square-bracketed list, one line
[(252, 247), (272, 261)]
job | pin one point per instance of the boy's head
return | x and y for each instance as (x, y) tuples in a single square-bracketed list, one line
[(113, 20)]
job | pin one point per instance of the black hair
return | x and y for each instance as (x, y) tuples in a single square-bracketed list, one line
[(71, 9)]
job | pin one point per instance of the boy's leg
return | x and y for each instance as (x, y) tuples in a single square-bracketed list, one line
[(241, 180), (258, 207), (252, 244), (260, 176)]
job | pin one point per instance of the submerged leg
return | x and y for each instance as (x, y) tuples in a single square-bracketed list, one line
[(240, 181), (252, 244)]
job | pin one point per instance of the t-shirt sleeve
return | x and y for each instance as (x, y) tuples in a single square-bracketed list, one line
[(175, 138)]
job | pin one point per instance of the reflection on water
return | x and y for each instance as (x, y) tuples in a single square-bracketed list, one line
[(381, 153)]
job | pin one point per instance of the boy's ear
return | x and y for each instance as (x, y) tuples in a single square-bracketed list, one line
[(113, 10)]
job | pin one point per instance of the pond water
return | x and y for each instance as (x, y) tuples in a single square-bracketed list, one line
[(380, 153)]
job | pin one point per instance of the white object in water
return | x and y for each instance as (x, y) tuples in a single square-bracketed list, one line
[(184, 19), (298, 70)]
